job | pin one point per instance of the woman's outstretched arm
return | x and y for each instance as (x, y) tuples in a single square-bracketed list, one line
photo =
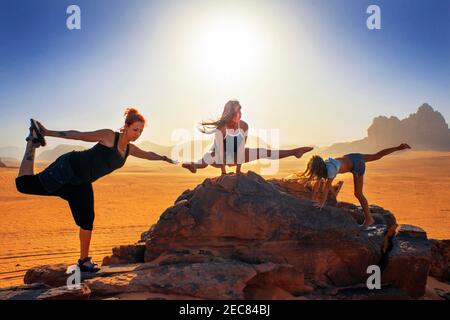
[(91, 136), (316, 190), (148, 155), (326, 190)]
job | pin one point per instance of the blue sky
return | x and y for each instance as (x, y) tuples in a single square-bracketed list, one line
[(322, 75)]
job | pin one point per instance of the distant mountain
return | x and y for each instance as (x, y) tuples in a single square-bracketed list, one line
[(424, 130), (8, 159), (2, 165), (11, 152), (9, 162)]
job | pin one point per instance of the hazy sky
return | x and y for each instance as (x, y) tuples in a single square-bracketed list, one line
[(311, 69)]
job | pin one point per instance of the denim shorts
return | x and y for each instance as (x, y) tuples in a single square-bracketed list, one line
[(58, 174), (358, 163)]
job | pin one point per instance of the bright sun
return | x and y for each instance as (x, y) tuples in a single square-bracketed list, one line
[(227, 48)]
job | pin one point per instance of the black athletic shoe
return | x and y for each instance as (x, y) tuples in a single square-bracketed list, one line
[(37, 130), (34, 139)]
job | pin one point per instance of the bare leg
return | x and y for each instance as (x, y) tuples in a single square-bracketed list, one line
[(201, 164), (193, 166), (384, 152), (250, 155), (358, 182), (85, 241), (261, 153), (27, 165), (222, 167)]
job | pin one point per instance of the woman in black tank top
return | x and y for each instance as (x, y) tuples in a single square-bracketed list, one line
[(72, 174)]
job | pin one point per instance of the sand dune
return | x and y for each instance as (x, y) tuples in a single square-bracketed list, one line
[(40, 230)]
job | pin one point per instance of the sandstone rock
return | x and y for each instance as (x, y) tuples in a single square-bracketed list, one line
[(380, 215), (241, 237), (39, 291), (409, 261), (254, 292), (411, 231), (216, 279), (64, 293), (56, 276), (285, 277), (24, 292), (52, 275), (440, 259), (124, 254), (248, 219)]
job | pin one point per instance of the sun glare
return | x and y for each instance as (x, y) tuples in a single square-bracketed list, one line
[(227, 48)]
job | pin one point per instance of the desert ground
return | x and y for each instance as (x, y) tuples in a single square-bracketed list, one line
[(35, 230)]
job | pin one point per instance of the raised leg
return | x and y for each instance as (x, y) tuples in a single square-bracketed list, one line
[(201, 164), (27, 164), (252, 154), (223, 169), (358, 182), (384, 152)]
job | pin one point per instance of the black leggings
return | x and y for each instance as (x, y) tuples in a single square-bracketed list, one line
[(80, 198)]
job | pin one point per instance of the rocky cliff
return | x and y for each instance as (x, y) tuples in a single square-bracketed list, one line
[(424, 130)]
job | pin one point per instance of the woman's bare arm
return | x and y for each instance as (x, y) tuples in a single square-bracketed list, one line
[(316, 191), (148, 155), (91, 136), (241, 154), (325, 192), (245, 128)]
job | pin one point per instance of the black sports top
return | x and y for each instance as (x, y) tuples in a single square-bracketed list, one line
[(100, 160)]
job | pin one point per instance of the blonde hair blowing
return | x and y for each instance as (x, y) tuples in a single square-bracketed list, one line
[(229, 111)]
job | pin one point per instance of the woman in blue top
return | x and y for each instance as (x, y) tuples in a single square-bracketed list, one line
[(320, 170), (230, 136)]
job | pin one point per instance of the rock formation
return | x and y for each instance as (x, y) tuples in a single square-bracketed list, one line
[(242, 237), (440, 259), (424, 130)]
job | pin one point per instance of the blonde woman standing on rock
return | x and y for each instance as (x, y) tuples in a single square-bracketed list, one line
[(230, 136)]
